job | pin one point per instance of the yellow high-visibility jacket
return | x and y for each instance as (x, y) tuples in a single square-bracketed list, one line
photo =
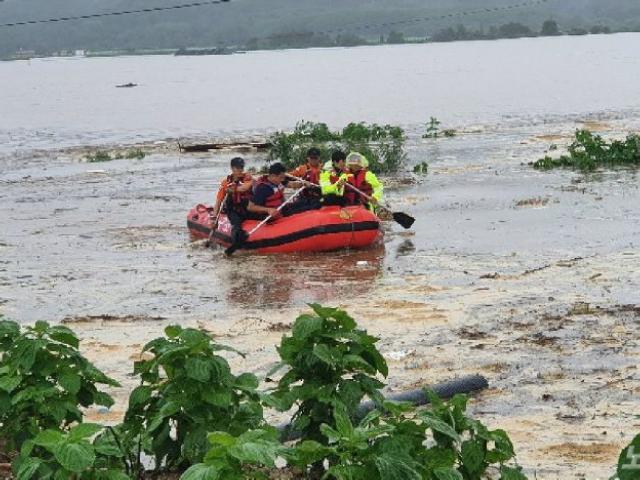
[(327, 187)]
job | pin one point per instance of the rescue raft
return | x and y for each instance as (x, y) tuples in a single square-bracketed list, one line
[(328, 228)]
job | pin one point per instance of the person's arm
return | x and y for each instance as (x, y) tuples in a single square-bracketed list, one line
[(372, 180), (222, 192), (329, 188), (245, 186), (260, 197)]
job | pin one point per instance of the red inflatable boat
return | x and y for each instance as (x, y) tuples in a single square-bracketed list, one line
[(329, 228)]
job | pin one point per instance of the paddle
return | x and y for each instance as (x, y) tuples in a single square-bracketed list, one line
[(401, 218), (214, 222), (237, 245)]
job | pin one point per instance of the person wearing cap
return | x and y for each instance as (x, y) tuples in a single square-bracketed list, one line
[(333, 179), (310, 171), (363, 180)]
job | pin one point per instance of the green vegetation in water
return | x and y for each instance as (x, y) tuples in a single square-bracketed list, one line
[(383, 145), (589, 152), (136, 154), (433, 130), (102, 156), (99, 156), (421, 169)]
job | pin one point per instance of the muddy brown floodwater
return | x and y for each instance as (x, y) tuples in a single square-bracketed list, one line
[(528, 278)]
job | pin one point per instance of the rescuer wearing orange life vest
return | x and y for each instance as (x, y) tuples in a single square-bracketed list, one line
[(333, 178), (363, 180), (236, 188), (268, 194), (310, 172)]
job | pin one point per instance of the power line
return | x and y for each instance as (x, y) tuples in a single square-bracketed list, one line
[(114, 14), (479, 11)]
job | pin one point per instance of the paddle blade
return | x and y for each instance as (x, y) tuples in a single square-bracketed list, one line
[(403, 219)]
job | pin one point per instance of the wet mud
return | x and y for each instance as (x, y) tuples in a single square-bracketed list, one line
[(529, 278)]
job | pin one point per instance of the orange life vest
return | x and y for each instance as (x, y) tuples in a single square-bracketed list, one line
[(238, 198), (358, 181), (277, 196), (310, 174)]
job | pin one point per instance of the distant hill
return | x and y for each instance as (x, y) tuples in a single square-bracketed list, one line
[(239, 21)]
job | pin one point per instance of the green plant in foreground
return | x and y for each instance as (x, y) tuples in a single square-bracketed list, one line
[(589, 151), (437, 444), (331, 364), (71, 455), (383, 145), (43, 381), (629, 462), (238, 458), (186, 386), (99, 156)]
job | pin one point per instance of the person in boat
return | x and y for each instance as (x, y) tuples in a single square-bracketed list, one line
[(268, 194), (333, 178), (310, 171), (234, 194), (364, 180)]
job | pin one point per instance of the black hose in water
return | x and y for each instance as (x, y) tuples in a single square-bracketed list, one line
[(468, 384)]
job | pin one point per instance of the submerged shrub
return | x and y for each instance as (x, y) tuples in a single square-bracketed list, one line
[(589, 152), (383, 145)]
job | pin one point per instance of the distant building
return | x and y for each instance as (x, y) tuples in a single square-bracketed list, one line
[(23, 55)]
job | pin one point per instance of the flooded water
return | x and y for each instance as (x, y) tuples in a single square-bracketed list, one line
[(54, 102), (492, 278)]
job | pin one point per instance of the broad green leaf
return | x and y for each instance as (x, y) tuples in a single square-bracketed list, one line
[(246, 381), (396, 468), (200, 471), (115, 475), (259, 452), (49, 439), (139, 396), (9, 383), (64, 335), (473, 455), (308, 452), (343, 424), (447, 474), (27, 351), (28, 468), (440, 426), (305, 326), (70, 381), (169, 409), (219, 399), (222, 438), (503, 450), (332, 435), (509, 473), (628, 460), (324, 353), (193, 337), (105, 444), (103, 399), (172, 331), (9, 329), (84, 430), (75, 457), (198, 368)]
